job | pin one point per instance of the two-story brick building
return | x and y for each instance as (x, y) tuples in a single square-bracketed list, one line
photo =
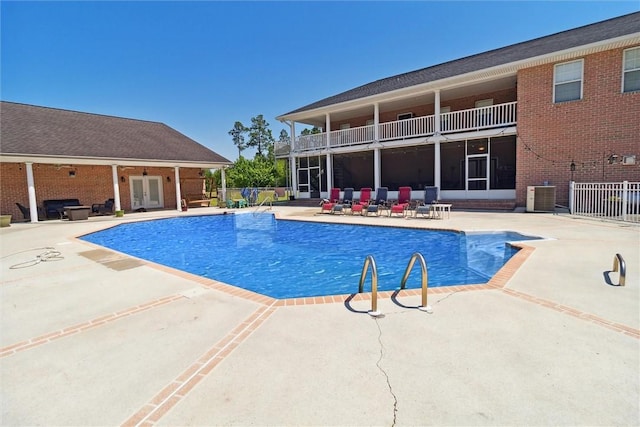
[(482, 128)]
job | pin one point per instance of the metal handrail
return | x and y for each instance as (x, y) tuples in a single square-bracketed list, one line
[(370, 262), (268, 198), (425, 279), (618, 263)]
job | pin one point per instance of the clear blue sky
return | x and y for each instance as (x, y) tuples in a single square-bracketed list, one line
[(200, 66)]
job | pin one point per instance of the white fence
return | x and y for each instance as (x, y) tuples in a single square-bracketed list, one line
[(610, 200)]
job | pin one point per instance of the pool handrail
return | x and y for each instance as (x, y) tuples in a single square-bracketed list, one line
[(424, 281), (266, 199), (618, 263), (369, 261)]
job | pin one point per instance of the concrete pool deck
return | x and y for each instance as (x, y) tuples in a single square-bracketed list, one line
[(92, 337)]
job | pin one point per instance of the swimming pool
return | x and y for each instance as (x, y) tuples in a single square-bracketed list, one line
[(288, 259)]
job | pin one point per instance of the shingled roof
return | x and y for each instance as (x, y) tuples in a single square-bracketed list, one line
[(604, 30), (28, 130)]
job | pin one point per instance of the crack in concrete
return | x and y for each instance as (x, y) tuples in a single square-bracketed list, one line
[(395, 398)]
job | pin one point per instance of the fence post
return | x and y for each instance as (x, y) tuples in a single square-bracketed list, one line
[(571, 196), (625, 199)]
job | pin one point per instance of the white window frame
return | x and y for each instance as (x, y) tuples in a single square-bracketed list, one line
[(625, 71), (581, 80)]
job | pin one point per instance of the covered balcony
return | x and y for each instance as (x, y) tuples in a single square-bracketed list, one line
[(469, 120)]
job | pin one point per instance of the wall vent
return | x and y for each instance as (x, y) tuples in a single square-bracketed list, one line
[(541, 199)]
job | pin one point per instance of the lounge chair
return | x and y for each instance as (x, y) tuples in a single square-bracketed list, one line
[(345, 203), (425, 207), (328, 204), (401, 206), (361, 204), (105, 208), (380, 201)]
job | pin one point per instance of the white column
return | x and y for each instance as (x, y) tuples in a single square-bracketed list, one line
[(329, 172), (436, 165), (176, 178), (116, 188), (436, 111), (376, 168), (223, 181), (436, 158), (329, 165), (327, 129), (292, 161), (376, 122), (33, 204)]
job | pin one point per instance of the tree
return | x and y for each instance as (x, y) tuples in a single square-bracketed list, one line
[(314, 130), (260, 135), (251, 173), (237, 134)]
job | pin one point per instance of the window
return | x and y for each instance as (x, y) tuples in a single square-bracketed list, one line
[(631, 70), (444, 120), (405, 116), (567, 81)]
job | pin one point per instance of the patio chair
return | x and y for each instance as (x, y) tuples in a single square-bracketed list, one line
[(26, 213), (105, 208), (345, 203), (380, 201), (328, 204), (425, 207), (401, 206), (361, 204)]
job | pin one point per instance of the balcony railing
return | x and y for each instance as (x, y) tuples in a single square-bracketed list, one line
[(456, 121)]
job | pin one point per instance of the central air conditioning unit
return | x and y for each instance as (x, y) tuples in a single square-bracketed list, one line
[(541, 199)]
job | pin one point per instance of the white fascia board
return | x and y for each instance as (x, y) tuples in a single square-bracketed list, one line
[(53, 160), (478, 76)]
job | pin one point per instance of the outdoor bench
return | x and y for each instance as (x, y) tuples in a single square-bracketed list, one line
[(54, 208)]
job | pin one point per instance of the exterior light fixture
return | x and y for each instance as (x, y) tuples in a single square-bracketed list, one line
[(168, 179), (144, 172), (122, 179), (573, 168)]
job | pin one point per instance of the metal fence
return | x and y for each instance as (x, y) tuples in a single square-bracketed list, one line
[(619, 201)]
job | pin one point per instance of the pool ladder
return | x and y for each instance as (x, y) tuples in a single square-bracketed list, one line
[(618, 263), (370, 262)]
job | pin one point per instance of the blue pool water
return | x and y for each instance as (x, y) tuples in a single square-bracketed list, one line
[(287, 259)]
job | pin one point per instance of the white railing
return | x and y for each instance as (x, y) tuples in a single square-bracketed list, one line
[(352, 136), (408, 128), (316, 141), (610, 200), (479, 118), (455, 121)]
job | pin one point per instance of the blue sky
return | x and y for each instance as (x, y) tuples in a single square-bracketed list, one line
[(201, 66)]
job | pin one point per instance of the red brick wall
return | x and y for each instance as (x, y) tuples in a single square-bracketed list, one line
[(586, 131), (91, 184)]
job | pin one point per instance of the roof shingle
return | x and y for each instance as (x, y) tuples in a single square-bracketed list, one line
[(42, 131)]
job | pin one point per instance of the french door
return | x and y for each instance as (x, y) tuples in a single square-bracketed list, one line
[(146, 192)]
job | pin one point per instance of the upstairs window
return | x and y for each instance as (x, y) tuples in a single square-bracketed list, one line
[(567, 81), (631, 70)]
